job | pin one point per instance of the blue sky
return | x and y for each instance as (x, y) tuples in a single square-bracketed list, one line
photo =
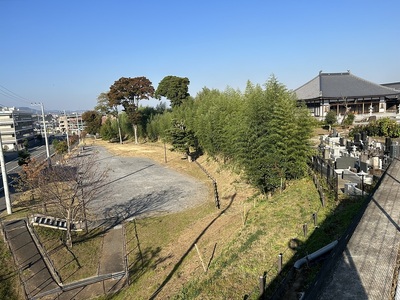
[(65, 53)]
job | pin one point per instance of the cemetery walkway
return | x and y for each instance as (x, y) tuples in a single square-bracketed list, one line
[(367, 267)]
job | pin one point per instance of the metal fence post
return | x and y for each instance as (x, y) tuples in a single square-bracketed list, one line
[(280, 259), (314, 215), (262, 285), (305, 229)]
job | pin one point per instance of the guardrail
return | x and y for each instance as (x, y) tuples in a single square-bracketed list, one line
[(81, 283)]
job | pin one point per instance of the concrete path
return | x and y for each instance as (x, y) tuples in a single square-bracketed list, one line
[(112, 254), (366, 267), (34, 272)]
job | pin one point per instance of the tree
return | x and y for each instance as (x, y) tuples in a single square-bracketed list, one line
[(103, 104), (256, 154), (174, 89), (66, 189), (214, 125), (61, 147), (25, 143), (158, 126), (127, 92), (30, 178), (92, 121), (273, 143), (382, 127), (109, 130), (23, 157), (107, 107), (182, 139), (161, 107), (48, 117), (349, 119), (330, 118)]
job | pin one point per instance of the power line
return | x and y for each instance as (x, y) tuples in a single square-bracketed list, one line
[(14, 96), (6, 94)]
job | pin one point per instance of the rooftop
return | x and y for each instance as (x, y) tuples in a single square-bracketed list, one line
[(344, 85)]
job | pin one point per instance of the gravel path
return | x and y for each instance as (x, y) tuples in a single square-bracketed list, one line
[(139, 186)]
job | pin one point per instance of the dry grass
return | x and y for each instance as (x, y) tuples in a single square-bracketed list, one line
[(254, 247), (10, 287), (80, 262)]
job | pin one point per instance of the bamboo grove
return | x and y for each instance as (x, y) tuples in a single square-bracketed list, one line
[(263, 132)]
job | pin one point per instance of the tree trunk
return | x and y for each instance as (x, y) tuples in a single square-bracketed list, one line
[(84, 213), (119, 130), (135, 131), (69, 237)]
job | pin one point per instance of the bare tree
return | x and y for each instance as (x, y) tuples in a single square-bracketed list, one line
[(66, 189), (30, 179)]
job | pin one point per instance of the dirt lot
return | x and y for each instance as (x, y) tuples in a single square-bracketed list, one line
[(137, 186)]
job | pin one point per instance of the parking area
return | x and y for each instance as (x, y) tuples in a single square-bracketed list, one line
[(140, 187)]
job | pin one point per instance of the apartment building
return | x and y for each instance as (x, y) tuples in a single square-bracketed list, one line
[(16, 126), (72, 123)]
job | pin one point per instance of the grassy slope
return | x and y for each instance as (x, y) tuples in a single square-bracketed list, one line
[(255, 247), (80, 262), (9, 281)]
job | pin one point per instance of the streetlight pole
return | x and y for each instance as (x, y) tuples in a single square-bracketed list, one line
[(45, 131), (5, 180)]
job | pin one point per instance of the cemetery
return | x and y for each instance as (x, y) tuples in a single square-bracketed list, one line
[(356, 164)]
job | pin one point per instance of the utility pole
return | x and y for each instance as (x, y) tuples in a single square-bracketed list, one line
[(77, 127), (5, 180), (45, 131), (66, 120), (81, 133)]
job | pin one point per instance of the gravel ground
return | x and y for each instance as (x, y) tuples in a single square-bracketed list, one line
[(141, 187)]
